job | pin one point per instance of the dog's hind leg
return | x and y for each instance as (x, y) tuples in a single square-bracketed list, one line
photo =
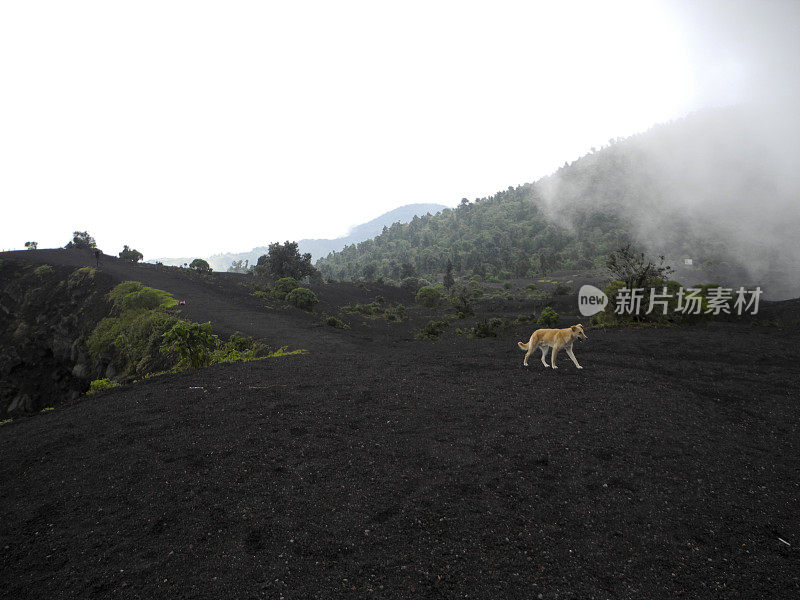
[(544, 355), (572, 356)]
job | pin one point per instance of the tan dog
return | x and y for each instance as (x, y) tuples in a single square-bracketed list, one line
[(555, 339)]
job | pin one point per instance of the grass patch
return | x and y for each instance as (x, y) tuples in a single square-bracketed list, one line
[(283, 351), (101, 385)]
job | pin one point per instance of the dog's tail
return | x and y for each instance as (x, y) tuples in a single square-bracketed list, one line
[(522, 345)]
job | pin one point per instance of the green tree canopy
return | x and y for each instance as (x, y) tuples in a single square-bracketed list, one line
[(284, 260), (132, 255), (82, 240), (198, 264)]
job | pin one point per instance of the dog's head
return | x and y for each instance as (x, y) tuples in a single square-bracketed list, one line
[(577, 332)]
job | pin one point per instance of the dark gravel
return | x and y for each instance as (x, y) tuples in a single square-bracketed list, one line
[(390, 468)]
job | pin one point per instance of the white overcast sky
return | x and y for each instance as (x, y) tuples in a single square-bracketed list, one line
[(188, 128)]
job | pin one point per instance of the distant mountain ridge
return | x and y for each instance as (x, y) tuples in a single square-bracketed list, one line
[(319, 248), (719, 187)]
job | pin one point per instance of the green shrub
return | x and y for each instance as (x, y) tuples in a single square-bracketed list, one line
[(302, 298), (396, 312), (228, 354), (43, 271), (492, 327), (284, 285), (193, 342), (238, 347), (410, 284), (562, 290), (132, 295), (148, 299), (130, 254), (368, 310), (433, 330), (241, 342), (200, 265), (81, 277), (429, 297), (548, 318), (485, 328), (101, 385), (123, 289), (134, 339), (336, 322)]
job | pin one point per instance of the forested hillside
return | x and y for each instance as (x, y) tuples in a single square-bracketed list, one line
[(688, 189), (507, 232)]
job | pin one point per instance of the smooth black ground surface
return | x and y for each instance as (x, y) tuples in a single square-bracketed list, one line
[(389, 468)]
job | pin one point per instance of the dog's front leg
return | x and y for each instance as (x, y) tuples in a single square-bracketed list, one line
[(544, 355), (572, 356), (553, 354)]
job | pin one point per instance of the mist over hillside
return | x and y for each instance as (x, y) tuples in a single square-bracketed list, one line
[(720, 187), (319, 247)]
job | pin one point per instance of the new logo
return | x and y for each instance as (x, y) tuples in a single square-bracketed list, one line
[(591, 300)]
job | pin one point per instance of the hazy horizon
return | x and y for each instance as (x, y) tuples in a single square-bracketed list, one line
[(190, 129)]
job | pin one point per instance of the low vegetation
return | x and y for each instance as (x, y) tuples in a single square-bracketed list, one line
[(101, 385), (377, 310), (43, 271), (493, 327), (433, 330), (548, 318), (429, 296), (81, 277), (144, 336), (335, 322), (302, 298)]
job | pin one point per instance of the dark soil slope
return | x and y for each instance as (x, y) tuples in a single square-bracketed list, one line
[(668, 467), (220, 298)]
